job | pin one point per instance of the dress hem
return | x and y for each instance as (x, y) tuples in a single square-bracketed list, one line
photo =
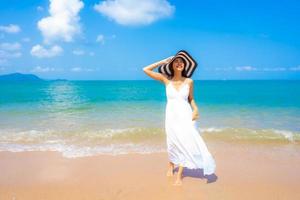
[(189, 167)]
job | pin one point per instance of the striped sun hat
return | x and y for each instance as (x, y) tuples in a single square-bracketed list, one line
[(189, 67)]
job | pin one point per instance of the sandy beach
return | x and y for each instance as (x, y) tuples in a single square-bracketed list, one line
[(97, 97), (244, 171)]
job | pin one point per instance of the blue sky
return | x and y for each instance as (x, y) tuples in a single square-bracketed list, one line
[(115, 39)]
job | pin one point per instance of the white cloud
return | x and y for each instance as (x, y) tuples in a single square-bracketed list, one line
[(5, 54), (12, 28), (100, 39), (39, 8), (274, 69), (78, 52), (246, 68), (264, 69), (135, 12), (76, 69), (10, 46), (3, 61), (63, 22), (43, 69), (223, 68), (8, 51), (26, 39), (79, 69), (42, 52), (295, 68)]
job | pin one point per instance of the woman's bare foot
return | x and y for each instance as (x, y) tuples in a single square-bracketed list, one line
[(170, 172), (179, 176), (178, 182), (170, 169)]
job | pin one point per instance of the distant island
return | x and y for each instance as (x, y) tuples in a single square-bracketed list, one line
[(23, 77), (19, 77)]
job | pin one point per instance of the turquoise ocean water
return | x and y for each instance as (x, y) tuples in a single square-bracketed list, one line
[(81, 118)]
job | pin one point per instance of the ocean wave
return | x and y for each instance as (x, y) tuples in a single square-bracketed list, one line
[(131, 134), (252, 135), (135, 135), (127, 140), (74, 151)]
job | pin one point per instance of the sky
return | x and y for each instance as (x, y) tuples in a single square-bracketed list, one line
[(115, 39)]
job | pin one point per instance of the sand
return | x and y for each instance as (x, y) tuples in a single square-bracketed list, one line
[(244, 171)]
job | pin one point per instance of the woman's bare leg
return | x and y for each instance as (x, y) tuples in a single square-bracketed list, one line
[(179, 176), (170, 169)]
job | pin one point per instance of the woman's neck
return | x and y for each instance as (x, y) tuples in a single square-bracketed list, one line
[(177, 76)]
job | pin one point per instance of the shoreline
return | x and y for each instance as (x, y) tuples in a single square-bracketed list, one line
[(244, 171)]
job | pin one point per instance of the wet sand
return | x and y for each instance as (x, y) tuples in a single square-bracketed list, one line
[(244, 171)]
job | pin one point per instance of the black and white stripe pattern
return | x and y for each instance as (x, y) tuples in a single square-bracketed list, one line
[(189, 68)]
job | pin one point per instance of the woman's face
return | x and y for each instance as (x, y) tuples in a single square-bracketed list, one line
[(178, 64)]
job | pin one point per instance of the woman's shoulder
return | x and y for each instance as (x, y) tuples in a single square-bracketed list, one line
[(189, 80)]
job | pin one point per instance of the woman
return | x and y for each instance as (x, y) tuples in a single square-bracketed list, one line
[(186, 147)]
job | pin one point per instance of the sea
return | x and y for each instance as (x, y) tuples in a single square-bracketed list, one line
[(84, 118)]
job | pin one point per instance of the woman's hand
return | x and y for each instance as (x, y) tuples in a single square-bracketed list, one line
[(195, 115), (155, 75), (167, 60)]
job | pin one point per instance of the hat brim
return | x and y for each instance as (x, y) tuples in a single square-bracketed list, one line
[(189, 68)]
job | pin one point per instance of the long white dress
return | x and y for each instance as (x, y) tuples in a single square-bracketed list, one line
[(184, 143)]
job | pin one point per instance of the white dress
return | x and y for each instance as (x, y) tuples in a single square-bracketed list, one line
[(184, 143)]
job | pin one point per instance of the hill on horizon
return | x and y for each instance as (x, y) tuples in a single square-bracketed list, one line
[(19, 77)]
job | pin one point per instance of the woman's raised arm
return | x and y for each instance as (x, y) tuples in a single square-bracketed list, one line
[(155, 75)]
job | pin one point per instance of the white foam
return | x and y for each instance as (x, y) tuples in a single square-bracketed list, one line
[(87, 143), (211, 129), (73, 151), (287, 134)]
